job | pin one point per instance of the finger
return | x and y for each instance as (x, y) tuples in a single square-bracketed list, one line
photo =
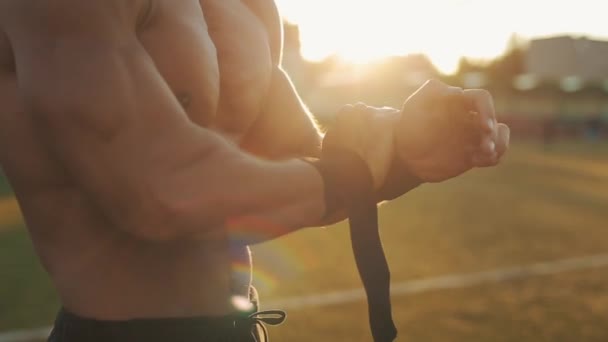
[(434, 89), (471, 146), (487, 146), (455, 110), (453, 91), (484, 160), (481, 101), (485, 155), (465, 129), (345, 108), (446, 101), (472, 131), (503, 139)]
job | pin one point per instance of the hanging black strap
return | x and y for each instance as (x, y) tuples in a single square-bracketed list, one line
[(349, 185), (373, 269)]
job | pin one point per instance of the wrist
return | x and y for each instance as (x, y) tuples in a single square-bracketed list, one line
[(346, 180), (399, 180)]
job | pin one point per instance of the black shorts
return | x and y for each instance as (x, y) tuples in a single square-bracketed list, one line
[(239, 327)]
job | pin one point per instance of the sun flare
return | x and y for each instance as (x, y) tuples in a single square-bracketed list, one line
[(360, 31)]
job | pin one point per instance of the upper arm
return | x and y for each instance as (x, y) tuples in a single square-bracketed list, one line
[(110, 120), (285, 128), (268, 13)]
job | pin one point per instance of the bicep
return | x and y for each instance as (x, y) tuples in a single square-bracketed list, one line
[(268, 13), (285, 127)]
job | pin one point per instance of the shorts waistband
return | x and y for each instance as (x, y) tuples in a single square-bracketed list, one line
[(72, 328)]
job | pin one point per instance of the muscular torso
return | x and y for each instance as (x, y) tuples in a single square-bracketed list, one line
[(217, 56)]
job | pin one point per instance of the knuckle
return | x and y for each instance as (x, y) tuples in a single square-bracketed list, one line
[(363, 112), (360, 107), (485, 94), (433, 82), (345, 110), (454, 91), (435, 85), (479, 93)]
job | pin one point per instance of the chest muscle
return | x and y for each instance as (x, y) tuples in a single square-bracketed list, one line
[(215, 57)]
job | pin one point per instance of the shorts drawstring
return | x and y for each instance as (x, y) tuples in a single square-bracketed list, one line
[(258, 319)]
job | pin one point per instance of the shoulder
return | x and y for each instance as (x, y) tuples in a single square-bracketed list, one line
[(59, 17), (268, 13)]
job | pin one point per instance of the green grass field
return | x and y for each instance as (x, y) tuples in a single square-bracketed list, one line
[(541, 205)]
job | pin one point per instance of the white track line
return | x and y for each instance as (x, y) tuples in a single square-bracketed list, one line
[(397, 289), (445, 282)]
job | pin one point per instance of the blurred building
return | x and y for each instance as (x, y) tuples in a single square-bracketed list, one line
[(559, 58), (563, 88)]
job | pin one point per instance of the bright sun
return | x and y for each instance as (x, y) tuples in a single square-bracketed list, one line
[(370, 30), (361, 31)]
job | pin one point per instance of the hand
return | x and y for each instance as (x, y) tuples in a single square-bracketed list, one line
[(445, 131), (369, 132)]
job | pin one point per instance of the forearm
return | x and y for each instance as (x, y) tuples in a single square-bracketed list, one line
[(277, 198), (397, 182), (228, 189)]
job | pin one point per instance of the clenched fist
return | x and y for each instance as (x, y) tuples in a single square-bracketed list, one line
[(445, 131)]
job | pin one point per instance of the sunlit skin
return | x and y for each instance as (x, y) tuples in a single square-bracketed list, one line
[(151, 143), (446, 30)]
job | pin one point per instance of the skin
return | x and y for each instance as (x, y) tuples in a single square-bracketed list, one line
[(142, 137)]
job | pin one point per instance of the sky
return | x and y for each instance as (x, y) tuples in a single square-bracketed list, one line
[(364, 30)]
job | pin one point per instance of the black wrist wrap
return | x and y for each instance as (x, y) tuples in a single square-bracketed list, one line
[(349, 185), (346, 180)]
